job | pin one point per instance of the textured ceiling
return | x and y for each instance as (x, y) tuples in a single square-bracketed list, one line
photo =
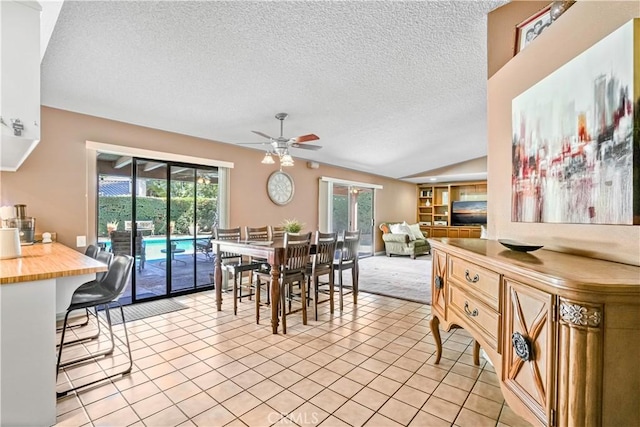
[(391, 88)]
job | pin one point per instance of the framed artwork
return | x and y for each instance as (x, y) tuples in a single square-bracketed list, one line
[(532, 27), (574, 157)]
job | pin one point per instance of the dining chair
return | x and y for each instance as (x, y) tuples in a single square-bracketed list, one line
[(257, 233), (92, 295), (321, 264), (347, 259), (293, 270), (234, 263), (260, 234), (276, 232)]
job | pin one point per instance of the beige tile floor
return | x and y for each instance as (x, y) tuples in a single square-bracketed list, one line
[(371, 365)]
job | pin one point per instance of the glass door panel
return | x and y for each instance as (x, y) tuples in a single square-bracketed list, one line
[(181, 243), (206, 220), (149, 229), (340, 208), (363, 211), (114, 210), (352, 210)]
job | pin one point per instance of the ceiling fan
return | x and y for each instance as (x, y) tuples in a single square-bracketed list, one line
[(281, 144)]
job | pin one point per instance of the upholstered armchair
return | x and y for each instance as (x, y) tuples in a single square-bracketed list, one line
[(404, 239)]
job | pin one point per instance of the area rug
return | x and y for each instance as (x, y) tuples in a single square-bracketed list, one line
[(144, 310), (397, 277)]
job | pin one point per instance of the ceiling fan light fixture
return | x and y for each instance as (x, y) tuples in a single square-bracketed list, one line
[(280, 145), (286, 160), (268, 159)]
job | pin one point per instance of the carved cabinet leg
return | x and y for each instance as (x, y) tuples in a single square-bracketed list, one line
[(435, 331), (476, 353)]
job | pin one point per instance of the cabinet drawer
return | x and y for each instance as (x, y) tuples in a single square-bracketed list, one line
[(479, 315), (485, 283)]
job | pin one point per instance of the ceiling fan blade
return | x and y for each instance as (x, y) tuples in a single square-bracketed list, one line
[(261, 134), (306, 147), (252, 143), (305, 138)]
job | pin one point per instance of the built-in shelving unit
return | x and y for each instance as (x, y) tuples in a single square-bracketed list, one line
[(435, 206)]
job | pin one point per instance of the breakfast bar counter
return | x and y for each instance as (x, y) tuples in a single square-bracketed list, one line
[(33, 288), (50, 261)]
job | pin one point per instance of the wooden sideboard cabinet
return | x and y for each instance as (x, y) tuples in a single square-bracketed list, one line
[(562, 331)]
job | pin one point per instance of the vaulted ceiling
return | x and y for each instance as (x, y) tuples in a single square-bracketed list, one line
[(392, 88)]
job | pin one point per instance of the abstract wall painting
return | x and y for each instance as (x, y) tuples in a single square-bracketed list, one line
[(574, 157)]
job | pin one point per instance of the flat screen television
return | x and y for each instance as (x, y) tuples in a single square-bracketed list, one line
[(469, 212)]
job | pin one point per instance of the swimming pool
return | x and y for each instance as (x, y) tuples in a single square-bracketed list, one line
[(154, 246)]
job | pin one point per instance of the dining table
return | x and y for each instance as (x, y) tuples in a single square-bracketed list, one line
[(272, 251)]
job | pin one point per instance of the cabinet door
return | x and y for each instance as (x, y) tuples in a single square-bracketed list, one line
[(453, 233), (529, 339), (439, 232), (475, 233), (464, 232), (438, 278)]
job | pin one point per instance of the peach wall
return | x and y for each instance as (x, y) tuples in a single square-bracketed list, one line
[(581, 26), (57, 182), (501, 31)]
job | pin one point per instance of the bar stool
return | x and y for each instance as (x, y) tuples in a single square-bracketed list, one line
[(94, 294), (92, 251), (105, 258)]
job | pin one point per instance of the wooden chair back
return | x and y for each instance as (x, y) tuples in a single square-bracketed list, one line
[(277, 232), (257, 233), (297, 249), (325, 248), (350, 246), (231, 234)]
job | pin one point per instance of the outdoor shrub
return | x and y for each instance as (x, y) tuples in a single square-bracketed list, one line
[(113, 209)]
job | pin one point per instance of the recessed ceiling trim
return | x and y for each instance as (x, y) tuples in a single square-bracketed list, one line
[(155, 155)]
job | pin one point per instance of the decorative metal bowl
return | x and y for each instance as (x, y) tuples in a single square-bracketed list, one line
[(519, 246)]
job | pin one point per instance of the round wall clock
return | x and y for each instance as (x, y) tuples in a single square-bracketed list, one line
[(280, 188)]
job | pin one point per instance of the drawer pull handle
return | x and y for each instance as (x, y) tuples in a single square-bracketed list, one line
[(469, 279), (439, 282), (522, 346), (473, 313)]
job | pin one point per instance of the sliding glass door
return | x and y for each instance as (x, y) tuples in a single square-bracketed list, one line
[(150, 228), (352, 210), (165, 213)]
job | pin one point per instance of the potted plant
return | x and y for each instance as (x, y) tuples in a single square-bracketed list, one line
[(193, 229), (292, 226), (112, 226)]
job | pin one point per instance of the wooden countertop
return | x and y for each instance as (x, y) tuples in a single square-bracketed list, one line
[(47, 261), (564, 271)]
